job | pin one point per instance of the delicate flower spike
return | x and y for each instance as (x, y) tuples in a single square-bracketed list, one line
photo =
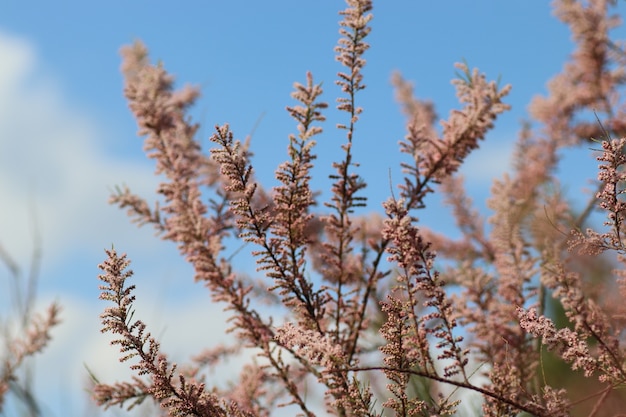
[(175, 393), (135, 59), (433, 158), (354, 29), (563, 341)]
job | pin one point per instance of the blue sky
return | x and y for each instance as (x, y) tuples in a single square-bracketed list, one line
[(67, 137)]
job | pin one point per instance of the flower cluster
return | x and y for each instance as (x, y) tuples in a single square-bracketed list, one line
[(379, 312)]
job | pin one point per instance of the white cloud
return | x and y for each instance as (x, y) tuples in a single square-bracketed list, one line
[(52, 162), (18, 59), (490, 161)]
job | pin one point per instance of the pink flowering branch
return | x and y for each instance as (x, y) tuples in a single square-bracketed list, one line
[(338, 224), (533, 410), (284, 238), (25, 333), (591, 80), (611, 176), (34, 340), (436, 158), (177, 395), (343, 308)]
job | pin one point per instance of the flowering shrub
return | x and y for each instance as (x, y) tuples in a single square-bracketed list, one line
[(366, 308)]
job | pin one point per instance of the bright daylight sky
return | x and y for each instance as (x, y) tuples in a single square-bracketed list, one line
[(67, 137)]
